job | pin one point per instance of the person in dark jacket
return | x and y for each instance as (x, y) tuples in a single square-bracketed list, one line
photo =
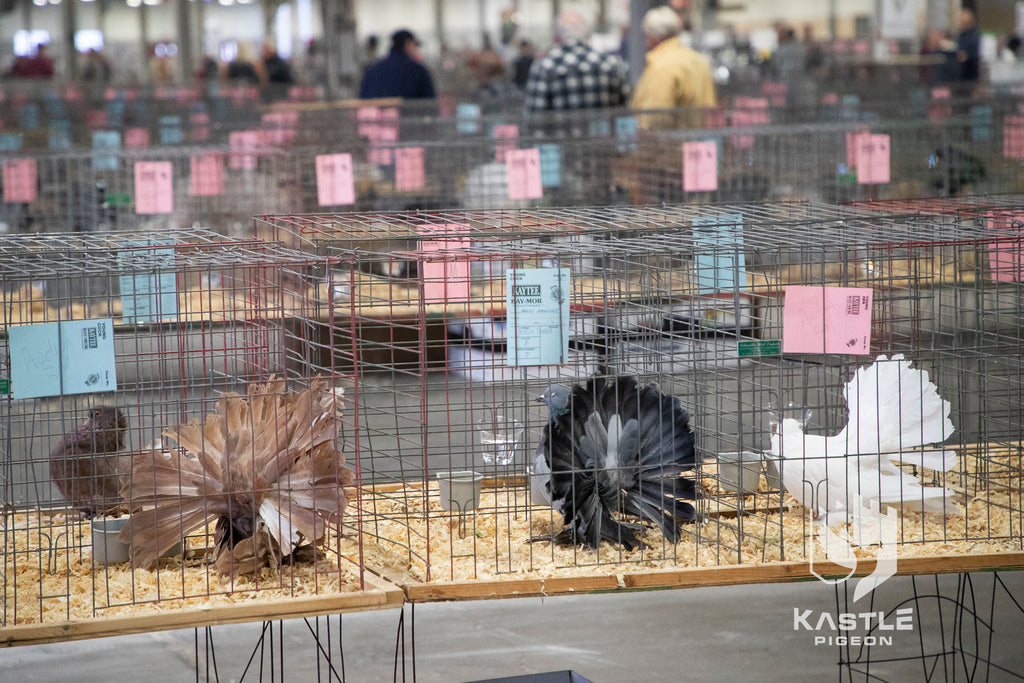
[(401, 73), (968, 46)]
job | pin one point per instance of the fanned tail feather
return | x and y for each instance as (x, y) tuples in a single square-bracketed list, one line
[(263, 465), (621, 449)]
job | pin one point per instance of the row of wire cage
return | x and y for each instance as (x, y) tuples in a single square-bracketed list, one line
[(406, 313), (220, 186), (40, 118)]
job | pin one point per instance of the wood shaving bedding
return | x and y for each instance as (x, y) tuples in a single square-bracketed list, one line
[(407, 538), (43, 585), (407, 543)]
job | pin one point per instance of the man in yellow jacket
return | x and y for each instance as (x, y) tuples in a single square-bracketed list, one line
[(675, 76)]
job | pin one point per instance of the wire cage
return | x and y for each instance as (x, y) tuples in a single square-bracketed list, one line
[(160, 401), (730, 309), (370, 158)]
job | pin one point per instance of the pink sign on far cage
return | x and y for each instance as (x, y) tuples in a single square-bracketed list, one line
[(154, 187), (20, 180), (700, 167), (409, 174), (207, 174), (1006, 250), (523, 168), (335, 182)]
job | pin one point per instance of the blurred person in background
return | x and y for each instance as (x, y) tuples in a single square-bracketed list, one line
[(573, 75), (278, 74), (522, 63), (277, 69), (209, 69), (244, 69), (938, 61), (675, 77), (161, 67), (401, 73), (489, 70), (370, 49), (968, 46), (39, 65), (97, 67)]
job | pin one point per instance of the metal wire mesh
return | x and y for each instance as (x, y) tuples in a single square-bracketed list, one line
[(692, 297), (157, 330), (401, 158)]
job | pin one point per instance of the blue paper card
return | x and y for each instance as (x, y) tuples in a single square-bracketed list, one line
[(28, 116), (981, 123), (467, 117), (149, 293), (550, 164), (537, 310), (170, 130), (60, 134), (115, 113), (55, 107), (71, 357), (625, 133), (10, 142), (600, 128), (105, 146), (718, 253)]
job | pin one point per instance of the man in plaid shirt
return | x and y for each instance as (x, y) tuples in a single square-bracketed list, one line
[(573, 75)]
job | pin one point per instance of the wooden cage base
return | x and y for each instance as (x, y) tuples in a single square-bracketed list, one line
[(380, 595), (385, 595), (698, 577)]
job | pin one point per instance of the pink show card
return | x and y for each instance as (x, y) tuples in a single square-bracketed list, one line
[(207, 174), (445, 280), (368, 118), (1006, 250), (827, 320), (136, 138), (335, 182), (20, 176), (243, 144), (523, 169), (851, 146), (873, 159), (199, 126), (154, 187), (384, 136), (700, 167), (409, 173), (1013, 137), (505, 138), (280, 126), (96, 118), (747, 117), (775, 92)]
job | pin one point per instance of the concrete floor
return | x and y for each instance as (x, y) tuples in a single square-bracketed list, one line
[(728, 633)]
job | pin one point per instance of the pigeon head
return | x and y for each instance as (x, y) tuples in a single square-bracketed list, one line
[(556, 398)]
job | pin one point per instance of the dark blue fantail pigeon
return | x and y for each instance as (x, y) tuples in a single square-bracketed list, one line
[(614, 450)]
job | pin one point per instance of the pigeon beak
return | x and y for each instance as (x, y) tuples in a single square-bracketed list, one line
[(539, 399)]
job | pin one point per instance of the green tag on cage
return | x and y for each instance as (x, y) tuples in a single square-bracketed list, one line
[(760, 347), (5, 386)]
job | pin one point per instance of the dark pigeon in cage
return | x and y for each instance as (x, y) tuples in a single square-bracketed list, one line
[(955, 170), (612, 450)]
